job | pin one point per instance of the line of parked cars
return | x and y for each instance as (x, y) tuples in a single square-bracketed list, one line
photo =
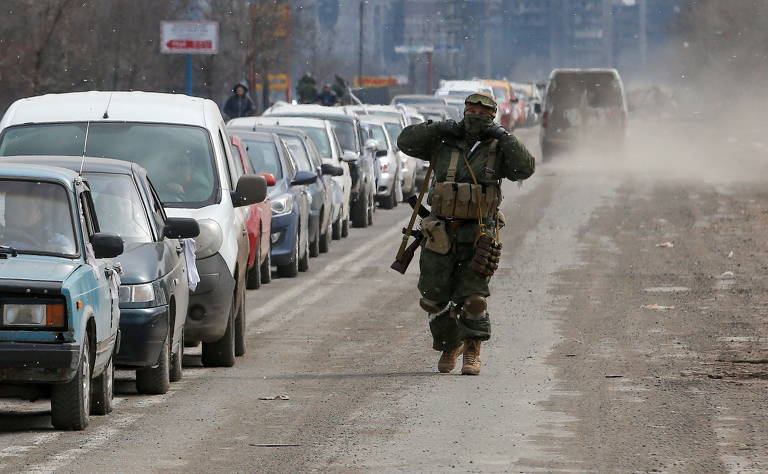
[(132, 224)]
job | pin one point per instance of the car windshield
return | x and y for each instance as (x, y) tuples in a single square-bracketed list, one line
[(119, 207), (299, 152), (264, 157), (319, 137), (393, 129), (179, 158), (456, 93), (345, 132), (36, 217)]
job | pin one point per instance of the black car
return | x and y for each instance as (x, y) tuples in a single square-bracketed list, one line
[(307, 158), (289, 198), (352, 138), (154, 290)]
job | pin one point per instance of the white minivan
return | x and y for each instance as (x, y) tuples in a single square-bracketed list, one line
[(182, 143)]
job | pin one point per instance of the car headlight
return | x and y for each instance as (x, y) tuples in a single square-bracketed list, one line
[(143, 293), (282, 205), (34, 315), (210, 238)]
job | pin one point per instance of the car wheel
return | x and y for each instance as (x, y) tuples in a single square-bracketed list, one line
[(253, 279), (345, 228), (240, 328), (360, 211), (336, 229), (266, 268), (291, 269), (177, 361), (156, 380), (314, 245), (304, 260), (102, 391), (222, 352), (325, 238), (71, 402)]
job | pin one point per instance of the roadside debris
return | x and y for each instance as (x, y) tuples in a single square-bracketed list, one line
[(276, 397), (730, 254), (726, 276), (665, 245), (614, 376), (657, 307)]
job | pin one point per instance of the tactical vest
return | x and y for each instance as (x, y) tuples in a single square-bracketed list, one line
[(476, 200)]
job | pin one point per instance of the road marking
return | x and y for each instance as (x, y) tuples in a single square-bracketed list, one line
[(96, 439), (292, 294)]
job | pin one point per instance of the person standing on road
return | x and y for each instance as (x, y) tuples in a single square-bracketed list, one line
[(461, 250), (238, 105)]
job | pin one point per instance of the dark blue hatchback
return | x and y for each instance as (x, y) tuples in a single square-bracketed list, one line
[(289, 197)]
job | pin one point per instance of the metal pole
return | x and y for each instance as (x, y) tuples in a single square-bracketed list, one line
[(429, 72), (360, 40), (189, 74)]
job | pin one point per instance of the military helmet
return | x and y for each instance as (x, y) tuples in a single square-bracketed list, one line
[(481, 98)]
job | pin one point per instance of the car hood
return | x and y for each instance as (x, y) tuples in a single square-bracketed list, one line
[(141, 262), (33, 267)]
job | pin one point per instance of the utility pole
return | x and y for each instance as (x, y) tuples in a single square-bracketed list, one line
[(642, 11), (360, 40)]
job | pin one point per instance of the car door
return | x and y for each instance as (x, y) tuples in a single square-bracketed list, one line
[(239, 228), (105, 304), (174, 270)]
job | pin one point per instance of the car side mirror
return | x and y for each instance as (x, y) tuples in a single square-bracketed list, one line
[(304, 177), (251, 188), (270, 178), (329, 169), (181, 228), (349, 157), (537, 108), (106, 245), (381, 152)]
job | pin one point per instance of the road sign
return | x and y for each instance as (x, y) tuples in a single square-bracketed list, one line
[(189, 37)]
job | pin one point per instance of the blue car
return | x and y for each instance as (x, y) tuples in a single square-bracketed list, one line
[(59, 327), (290, 198)]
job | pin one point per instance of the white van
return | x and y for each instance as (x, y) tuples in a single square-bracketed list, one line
[(182, 143)]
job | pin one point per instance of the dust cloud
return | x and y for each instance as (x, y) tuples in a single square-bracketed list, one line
[(700, 116)]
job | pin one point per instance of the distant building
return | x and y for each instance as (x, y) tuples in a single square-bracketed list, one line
[(521, 39)]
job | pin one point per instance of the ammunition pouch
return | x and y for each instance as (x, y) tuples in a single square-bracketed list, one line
[(487, 255), (437, 238), (465, 200)]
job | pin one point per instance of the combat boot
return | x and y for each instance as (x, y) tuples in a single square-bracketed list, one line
[(448, 359), (471, 364)]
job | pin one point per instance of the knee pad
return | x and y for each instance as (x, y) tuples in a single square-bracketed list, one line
[(431, 307), (474, 307)]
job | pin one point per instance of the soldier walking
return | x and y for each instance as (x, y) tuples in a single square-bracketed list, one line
[(461, 247)]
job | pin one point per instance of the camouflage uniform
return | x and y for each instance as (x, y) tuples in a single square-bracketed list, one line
[(447, 278)]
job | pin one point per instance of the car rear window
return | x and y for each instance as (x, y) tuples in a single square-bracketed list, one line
[(179, 158)]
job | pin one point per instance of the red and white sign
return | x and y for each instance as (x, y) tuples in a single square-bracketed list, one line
[(189, 37)]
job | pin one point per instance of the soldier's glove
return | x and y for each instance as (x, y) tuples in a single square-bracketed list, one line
[(496, 131), (448, 127)]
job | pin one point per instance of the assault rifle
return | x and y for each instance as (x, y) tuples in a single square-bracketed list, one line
[(405, 255)]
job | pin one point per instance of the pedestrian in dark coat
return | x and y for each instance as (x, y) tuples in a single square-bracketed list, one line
[(239, 105)]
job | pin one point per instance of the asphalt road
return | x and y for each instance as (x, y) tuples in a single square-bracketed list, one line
[(621, 343)]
